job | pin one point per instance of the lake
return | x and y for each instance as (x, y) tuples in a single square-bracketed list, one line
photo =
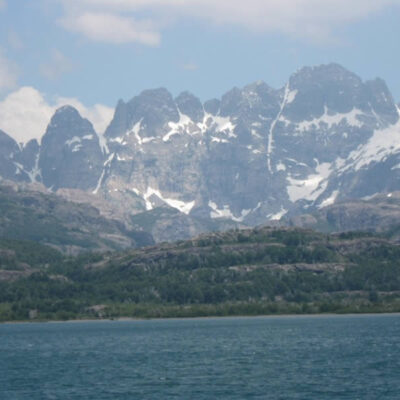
[(308, 357)]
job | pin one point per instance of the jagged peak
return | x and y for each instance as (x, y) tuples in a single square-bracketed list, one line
[(190, 105), (71, 121), (186, 95), (330, 72), (160, 93), (66, 113), (258, 86), (66, 109)]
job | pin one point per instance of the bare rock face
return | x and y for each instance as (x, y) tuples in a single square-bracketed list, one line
[(70, 153), (9, 167)]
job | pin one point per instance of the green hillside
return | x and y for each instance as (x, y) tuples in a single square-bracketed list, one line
[(240, 272)]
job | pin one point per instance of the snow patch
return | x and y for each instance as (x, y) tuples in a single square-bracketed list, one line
[(217, 124), (332, 119), (256, 134), (310, 187), (277, 216), (224, 124), (18, 168), (382, 144), (184, 207), (225, 212), (119, 158), (330, 200), (281, 166), (36, 172), (76, 142), (148, 139), (118, 139), (218, 140), (75, 139), (179, 127), (135, 130), (291, 96)]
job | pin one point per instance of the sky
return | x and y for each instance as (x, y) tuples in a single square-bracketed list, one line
[(91, 53)]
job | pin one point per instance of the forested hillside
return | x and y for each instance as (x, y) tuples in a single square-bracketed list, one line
[(240, 272)]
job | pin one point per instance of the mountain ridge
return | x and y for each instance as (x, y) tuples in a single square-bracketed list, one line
[(253, 156)]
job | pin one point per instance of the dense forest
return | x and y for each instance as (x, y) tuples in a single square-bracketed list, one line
[(240, 272)]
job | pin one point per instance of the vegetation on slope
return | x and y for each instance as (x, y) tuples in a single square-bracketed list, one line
[(27, 214), (240, 272)]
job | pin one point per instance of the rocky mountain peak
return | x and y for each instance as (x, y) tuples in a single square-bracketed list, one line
[(154, 108), (212, 106), (191, 106), (70, 153), (119, 123), (67, 123), (151, 110), (250, 102), (326, 88)]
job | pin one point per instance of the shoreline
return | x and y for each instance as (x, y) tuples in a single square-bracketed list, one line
[(137, 319)]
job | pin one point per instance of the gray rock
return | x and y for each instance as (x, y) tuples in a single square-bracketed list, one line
[(191, 106), (10, 168), (70, 153)]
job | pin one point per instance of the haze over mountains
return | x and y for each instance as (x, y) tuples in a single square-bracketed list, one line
[(253, 156)]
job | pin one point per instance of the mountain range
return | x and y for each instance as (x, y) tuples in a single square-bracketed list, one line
[(253, 156)]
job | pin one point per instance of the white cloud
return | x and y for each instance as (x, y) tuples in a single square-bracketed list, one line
[(310, 19), (8, 73), (58, 65), (111, 28), (25, 113)]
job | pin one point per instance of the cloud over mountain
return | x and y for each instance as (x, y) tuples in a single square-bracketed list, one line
[(25, 113)]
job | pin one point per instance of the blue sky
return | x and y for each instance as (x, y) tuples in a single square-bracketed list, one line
[(90, 53)]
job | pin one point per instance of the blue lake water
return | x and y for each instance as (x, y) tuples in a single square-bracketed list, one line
[(324, 357)]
